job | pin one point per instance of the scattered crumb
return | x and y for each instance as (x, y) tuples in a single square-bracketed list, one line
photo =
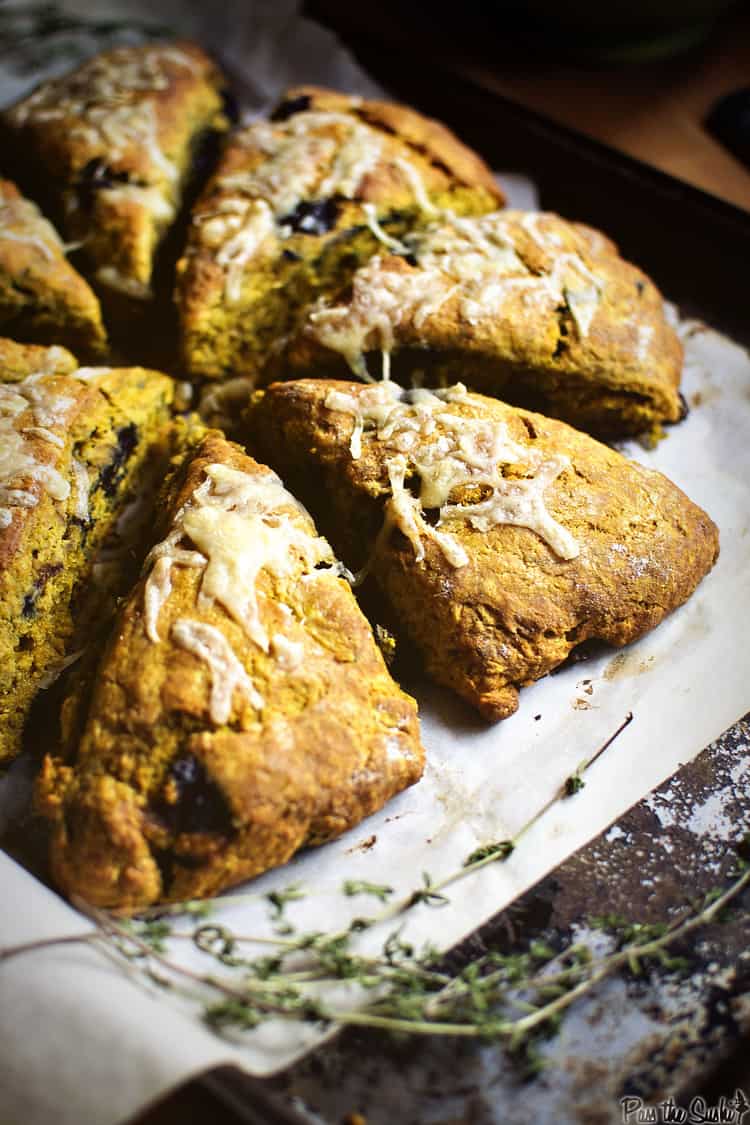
[(363, 845)]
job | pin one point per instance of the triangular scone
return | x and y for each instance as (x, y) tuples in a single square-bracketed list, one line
[(524, 305), (73, 443), (502, 539), (43, 300), (110, 148), (242, 708), (296, 204)]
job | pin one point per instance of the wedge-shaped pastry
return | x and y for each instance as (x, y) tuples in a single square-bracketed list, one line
[(524, 305), (502, 539), (72, 445), (296, 204), (43, 300), (242, 709), (111, 147)]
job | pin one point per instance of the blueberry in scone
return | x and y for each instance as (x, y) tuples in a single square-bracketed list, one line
[(295, 205), (242, 709), (539, 311)]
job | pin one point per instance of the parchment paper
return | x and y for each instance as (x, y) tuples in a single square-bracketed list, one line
[(80, 1042)]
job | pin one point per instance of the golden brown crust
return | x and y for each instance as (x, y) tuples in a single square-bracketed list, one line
[(288, 214), (111, 144), (71, 450), (517, 609), (19, 360), (424, 134), (529, 307), (167, 801), (43, 300)]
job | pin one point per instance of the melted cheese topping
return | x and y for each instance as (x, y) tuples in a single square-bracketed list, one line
[(380, 301), (253, 229), (22, 221), (235, 521), (288, 653), (477, 260), (305, 159), (109, 102), (448, 451), (234, 526), (109, 105), (20, 466), (227, 673)]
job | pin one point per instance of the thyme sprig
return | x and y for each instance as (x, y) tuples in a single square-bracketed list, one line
[(508, 997)]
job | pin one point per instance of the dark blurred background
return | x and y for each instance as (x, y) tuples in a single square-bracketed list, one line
[(644, 76)]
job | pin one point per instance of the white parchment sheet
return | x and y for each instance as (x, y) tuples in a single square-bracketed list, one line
[(82, 1043)]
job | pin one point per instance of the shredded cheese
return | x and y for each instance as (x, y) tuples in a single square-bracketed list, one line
[(447, 451), (237, 525), (288, 653), (109, 108), (227, 673), (21, 464), (315, 155), (240, 247), (22, 221), (476, 260), (109, 102), (234, 526)]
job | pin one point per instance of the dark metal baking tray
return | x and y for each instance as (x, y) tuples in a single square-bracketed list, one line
[(697, 1043)]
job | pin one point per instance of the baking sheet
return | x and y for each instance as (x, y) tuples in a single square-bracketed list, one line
[(68, 1014), (69, 1010)]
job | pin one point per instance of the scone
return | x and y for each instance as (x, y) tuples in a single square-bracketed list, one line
[(43, 300), (110, 147), (73, 443), (541, 312), (296, 204), (242, 709), (501, 539)]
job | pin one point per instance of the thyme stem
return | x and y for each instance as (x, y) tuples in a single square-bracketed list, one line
[(45, 943)]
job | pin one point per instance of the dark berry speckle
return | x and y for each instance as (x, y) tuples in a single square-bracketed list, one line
[(112, 473), (313, 218), (200, 805), (291, 106)]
